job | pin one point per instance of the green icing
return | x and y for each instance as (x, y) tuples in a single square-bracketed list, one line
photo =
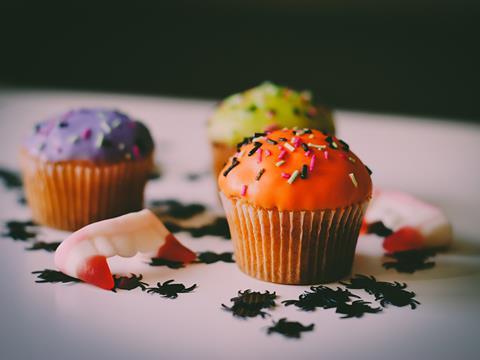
[(255, 110)]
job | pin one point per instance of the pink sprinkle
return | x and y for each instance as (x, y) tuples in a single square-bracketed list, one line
[(259, 159), (296, 144), (86, 134), (136, 151), (244, 190), (325, 155), (312, 163), (285, 175), (267, 153), (282, 154), (308, 152), (295, 139)]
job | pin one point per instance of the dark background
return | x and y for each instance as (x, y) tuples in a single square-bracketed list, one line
[(413, 57)]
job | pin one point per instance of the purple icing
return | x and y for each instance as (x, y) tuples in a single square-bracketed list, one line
[(100, 135)]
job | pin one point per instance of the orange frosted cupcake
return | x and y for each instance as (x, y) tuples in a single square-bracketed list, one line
[(86, 165), (294, 201)]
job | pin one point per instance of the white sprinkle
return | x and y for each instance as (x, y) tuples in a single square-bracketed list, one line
[(293, 177), (116, 123), (73, 139), (334, 145), (321, 147), (99, 141), (289, 147), (280, 163), (354, 181), (105, 127), (351, 159), (311, 136), (121, 146), (258, 138)]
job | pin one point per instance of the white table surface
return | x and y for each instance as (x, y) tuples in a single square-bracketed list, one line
[(436, 160)]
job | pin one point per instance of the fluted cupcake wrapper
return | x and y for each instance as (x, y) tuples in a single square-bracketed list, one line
[(294, 247), (69, 196)]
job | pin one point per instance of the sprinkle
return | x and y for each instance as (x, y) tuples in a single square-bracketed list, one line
[(259, 134), (304, 173), (271, 141), (105, 127), (282, 154), (280, 163), (256, 146), (354, 181), (368, 170), (294, 139), (307, 131), (334, 145), (325, 154), (240, 153), (235, 162), (295, 128), (244, 190), (306, 95), (307, 153), (99, 141), (305, 147), (259, 159), (285, 175), (312, 111), (121, 146), (329, 139), (293, 177), (86, 133), (73, 139), (267, 153), (136, 151), (259, 174), (311, 136), (282, 139), (344, 144), (289, 147), (320, 147), (38, 127), (312, 162), (351, 159), (116, 123), (62, 124)]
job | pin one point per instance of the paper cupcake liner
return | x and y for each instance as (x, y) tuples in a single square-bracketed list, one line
[(294, 247), (68, 196), (221, 153)]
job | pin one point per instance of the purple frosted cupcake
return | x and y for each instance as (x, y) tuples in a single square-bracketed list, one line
[(84, 166)]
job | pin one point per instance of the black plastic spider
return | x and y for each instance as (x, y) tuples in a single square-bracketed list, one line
[(291, 329), (53, 276), (167, 263), (18, 230), (321, 296), (209, 257), (250, 303), (386, 292), (129, 283), (356, 309), (170, 290), (176, 209), (218, 227), (410, 261), (41, 245), (11, 179)]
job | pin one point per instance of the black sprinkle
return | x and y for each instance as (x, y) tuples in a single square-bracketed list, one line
[(63, 124), (304, 173), (256, 146), (344, 145), (368, 170), (290, 329), (53, 276), (305, 147), (271, 141), (235, 162), (170, 290), (410, 261), (209, 257), (296, 111), (168, 263), (259, 134), (283, 139), (259, 174), (307, 131), (329, 139), (47, 246)]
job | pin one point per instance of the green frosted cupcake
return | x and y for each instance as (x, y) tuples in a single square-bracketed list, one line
[(263, 108)]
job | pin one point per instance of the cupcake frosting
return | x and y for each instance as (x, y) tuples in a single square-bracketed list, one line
[(266, 107), (93, 134), (296, 170)]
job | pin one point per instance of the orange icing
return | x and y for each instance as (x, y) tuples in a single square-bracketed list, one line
[(328, 186)]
